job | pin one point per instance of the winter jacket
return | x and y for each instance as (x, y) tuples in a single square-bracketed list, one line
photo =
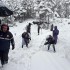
[(50, 40), (5, 39), (55, 34), (28, 28)]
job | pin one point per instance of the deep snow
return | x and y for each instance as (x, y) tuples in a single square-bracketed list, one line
[(36, 57)]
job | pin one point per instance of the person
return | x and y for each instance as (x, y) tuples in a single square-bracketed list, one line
[(0, 24), (55, 34), (51, 28), (39, 28), (6, 38), (29, 28), (50, 40), (25, 39)]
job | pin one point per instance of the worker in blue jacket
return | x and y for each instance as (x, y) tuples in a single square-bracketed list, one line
[(6, 38)]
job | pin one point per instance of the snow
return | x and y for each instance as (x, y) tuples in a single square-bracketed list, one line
[(37, 57), (46, 61)]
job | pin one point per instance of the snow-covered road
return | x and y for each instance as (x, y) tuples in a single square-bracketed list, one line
[(36, 57), (49, 61)]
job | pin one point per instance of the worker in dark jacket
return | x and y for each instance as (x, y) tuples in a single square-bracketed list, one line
[(55, 34), (50, 40), (29, 28), (6, 38), (39, 29), (25, 39), (51, 28)]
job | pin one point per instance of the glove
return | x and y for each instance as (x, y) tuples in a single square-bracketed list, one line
[(30, 38), (45, 43), (13, 47)]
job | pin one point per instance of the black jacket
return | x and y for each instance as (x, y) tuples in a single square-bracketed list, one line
[(5, 39), (50, 40)]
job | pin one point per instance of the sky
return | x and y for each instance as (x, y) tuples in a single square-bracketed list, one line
[(36, 56)]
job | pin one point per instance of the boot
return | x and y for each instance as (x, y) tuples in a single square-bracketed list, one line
[(22, 46)]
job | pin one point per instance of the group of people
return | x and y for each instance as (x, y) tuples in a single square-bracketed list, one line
[(6, 37), (26, 36), (52, 39)]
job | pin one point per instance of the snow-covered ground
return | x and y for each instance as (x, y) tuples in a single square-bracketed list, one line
[(36, 57)]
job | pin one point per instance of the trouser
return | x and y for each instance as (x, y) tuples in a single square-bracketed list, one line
[(23, 42), (38, 31), (4, 56), (55, 38), (26, 42), (52, 45)]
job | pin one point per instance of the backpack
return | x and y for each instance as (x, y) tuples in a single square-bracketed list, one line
[(23, 34), (26, 35)]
